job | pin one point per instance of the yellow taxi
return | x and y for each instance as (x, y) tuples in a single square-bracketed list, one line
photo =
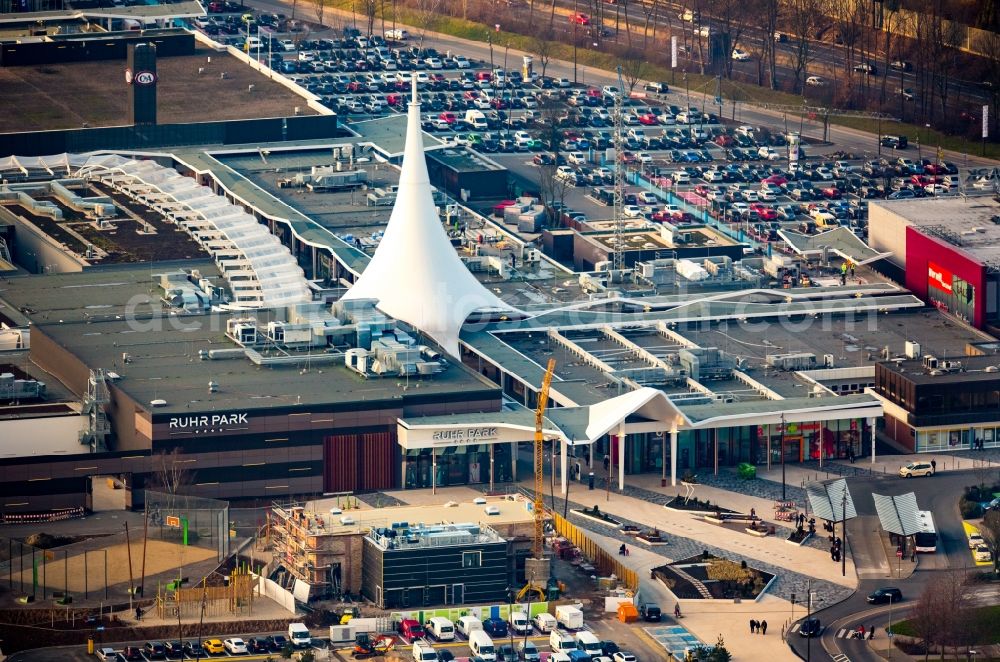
[(215, 646)]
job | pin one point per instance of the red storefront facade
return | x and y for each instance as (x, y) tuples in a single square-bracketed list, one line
[(947, 277)]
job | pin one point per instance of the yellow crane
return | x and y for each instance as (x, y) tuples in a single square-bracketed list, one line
[(537, 551)]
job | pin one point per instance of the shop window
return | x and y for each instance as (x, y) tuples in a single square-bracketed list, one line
[(472, 559)]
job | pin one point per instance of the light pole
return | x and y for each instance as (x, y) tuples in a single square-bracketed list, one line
[(782, 451), (843, 547), (809, 604), (888, 631)]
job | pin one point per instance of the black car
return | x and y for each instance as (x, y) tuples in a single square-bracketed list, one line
[(445, 655), (155, 650), (895, 142), (174, 649), (810, 628), (650, 612), (276, 642), (609, 648), (194, 649), (257, 645), (886, 594)]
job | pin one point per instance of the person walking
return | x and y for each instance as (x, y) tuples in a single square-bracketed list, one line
[(607, 462), (763, 627), (753, 626), (138, 613), (934, 466)]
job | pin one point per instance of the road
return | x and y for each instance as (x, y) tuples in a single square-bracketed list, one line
[(940, 495), (825, 58)]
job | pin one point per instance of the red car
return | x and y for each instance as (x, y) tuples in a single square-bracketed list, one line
[(448, 117), (935, 169), (702, 190), (649, 119), (594, 92), (923, 180), (580, 19), (831, 193), (724, 140), (777, 180), (764, 212)]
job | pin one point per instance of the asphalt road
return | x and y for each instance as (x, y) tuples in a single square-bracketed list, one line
[(938, 494)]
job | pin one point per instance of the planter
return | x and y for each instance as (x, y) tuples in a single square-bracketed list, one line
[(650, 538), (600, 517), (694, 506), (798, 543), (630, 530)]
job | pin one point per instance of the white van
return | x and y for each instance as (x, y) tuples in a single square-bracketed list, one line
[(519, 622), (441, 628), (561, 642), (588, 643), (545, 622), (253, 43), (477, 119), (469, 624), (424, 652), (482, 646)]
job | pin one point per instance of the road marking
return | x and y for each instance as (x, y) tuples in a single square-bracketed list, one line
[(840, 632)]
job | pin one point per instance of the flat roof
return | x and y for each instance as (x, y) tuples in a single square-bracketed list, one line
[(464, 160), (510, 512), (970, 224), (652, 238), (68, 95), (388, 134), (963, 368), (99, 293), (180, 9)]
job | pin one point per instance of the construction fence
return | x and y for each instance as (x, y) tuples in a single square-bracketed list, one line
[(189, 520), (605, 562)]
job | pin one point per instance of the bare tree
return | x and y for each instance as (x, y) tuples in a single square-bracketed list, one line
[(924, 618), (989, 45), (991, 535), (731, 18), (802, 19), (543, 46), (546, 131), (320, 10), (370, 8), (170, 472), (768, 13), (941, 615), (634, 67)]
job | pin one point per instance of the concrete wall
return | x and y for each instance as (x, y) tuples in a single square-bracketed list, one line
[(41, 436), (35, 250), (887, 232)]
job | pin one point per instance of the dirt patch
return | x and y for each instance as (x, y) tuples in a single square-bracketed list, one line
[(160, 557), (65, 96)]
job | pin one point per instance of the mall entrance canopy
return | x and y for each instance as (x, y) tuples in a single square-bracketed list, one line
[(642, 410)]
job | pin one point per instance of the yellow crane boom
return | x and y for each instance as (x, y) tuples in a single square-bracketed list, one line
[(543, 401)]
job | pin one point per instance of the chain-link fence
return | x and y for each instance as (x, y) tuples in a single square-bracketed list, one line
[(189, 520)]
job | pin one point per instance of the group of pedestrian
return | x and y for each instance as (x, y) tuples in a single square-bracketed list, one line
[(758, 627), (861, 633), (978, 444), (623, 550)]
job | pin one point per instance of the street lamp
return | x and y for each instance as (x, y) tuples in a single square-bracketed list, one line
[(782, 451)]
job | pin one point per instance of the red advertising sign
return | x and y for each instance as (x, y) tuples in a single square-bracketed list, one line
[(939, 278)]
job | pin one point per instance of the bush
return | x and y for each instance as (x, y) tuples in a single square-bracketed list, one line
[(970, 509)]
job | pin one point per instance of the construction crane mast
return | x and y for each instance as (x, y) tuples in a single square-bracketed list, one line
[(536, 569), (543, 401), (618, 260)]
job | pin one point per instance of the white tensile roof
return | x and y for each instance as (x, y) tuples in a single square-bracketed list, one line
[(415, 274)]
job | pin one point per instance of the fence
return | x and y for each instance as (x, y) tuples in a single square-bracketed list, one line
[(271, 589), (33, 518), (604, 561), (189, 520)]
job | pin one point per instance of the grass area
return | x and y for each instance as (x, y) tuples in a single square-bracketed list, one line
[(740, 92), (983, 620)]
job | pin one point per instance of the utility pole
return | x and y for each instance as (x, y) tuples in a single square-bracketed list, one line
[(618, 263), (809, 604)]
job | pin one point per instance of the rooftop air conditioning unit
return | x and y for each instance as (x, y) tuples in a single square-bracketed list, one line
[(492, 510), (912, 350), (347, 520), (479, 501)]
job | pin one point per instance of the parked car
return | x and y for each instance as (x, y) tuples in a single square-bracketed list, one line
[(982, 553), (154, 650), (257, 645), (810, 628), (132, 654), (816, 81), (106, 654), (235, 646), (214, 646), (495, 627), (276, 642), (916, 468), (885, 594)]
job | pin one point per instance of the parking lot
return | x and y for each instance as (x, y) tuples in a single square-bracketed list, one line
[(684, 163)]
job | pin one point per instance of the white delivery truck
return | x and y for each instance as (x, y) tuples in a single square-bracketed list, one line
[(519, 622), (440, 628), (469, 624), (569, 617), (482, 646), (298, 635)]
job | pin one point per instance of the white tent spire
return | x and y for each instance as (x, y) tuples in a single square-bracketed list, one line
[(415, 274)]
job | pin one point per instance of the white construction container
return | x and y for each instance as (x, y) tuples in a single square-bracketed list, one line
[(570, 617), (691, 270)]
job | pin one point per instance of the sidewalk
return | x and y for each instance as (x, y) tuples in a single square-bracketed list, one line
[(708, 619)]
